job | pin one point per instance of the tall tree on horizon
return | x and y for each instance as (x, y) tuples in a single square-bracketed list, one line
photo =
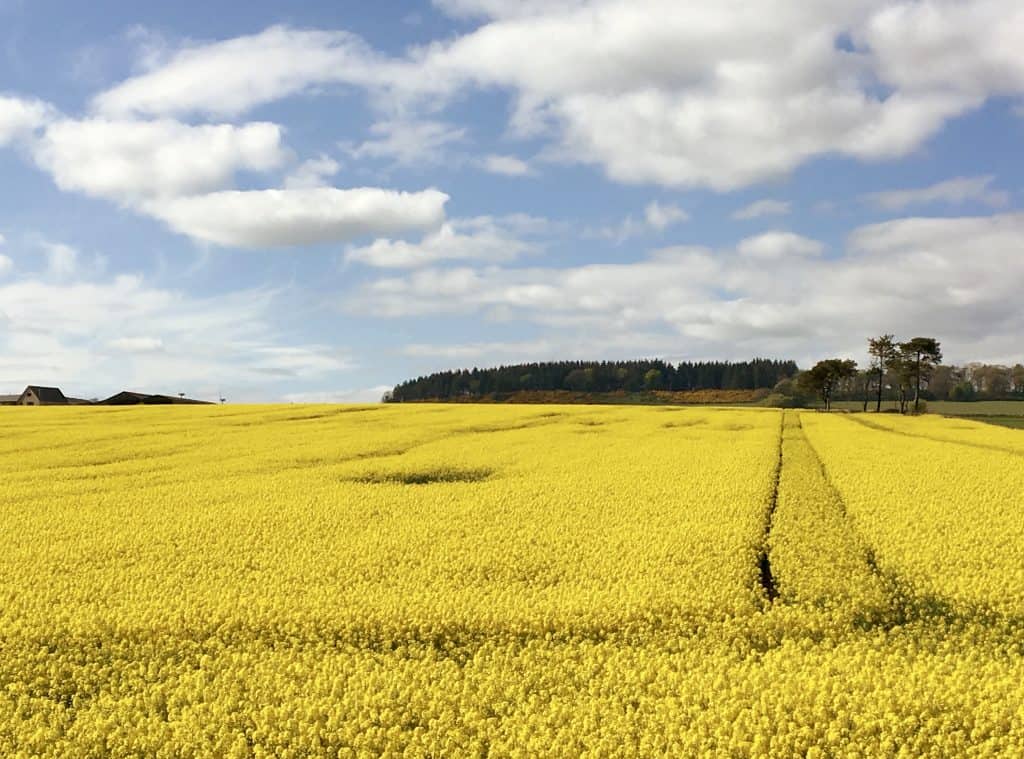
[(921, 354), (883, 351), (824, 376)]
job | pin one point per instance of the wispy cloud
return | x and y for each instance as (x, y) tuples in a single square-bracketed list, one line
[(506, 165), (951, 192), (759, 208), (657, 217)]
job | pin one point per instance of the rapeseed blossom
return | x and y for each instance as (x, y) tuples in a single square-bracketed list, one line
[(507, 581)]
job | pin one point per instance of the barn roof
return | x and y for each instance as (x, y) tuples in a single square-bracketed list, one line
[(47, 394), (128, 398)]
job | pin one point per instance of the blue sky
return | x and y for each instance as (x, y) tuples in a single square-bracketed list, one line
[(282, 201)]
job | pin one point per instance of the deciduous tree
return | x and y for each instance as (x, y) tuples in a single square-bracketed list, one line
[(824, 376)]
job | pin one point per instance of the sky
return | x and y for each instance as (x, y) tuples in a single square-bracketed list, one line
[(277, 201)]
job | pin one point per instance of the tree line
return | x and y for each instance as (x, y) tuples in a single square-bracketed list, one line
[(901, 372), (595, 377), (906, 367)]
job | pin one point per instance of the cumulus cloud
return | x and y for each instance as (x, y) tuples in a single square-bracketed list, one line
[(759, 208), (129, 160), (506, 165), (952, 191), (312, 173), (777, 244), (19, 117), (6, 264), (178, 173), (755, 96), (907, 276), (482, 238), (943, 45), (283, 218)]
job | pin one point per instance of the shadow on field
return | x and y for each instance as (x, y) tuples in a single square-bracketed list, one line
[(425, 476)]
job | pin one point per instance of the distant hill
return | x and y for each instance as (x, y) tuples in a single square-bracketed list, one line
[(579, 380)]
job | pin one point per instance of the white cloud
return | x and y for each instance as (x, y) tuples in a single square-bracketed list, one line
[(129, 160), (476, 350), (482, 238), (774, 245), (611, 290), (20, 117), (367, 395), (951, 191), (584, 344), (281, 218), (502, 8), (409, 143), (172, 171), (6, 265), (230, 77), (765, 207), (944, 45), (755, 96), (312, 173), (62, 260), (663, 216), (137, 344), (656, 218), (957, 279), (59, 332), (506, 165)]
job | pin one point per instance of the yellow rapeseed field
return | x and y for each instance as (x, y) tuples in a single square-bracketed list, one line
[(508, 581)]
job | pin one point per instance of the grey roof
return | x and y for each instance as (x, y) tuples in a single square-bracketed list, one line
[(9, 398), (128, 398), (47, 394)]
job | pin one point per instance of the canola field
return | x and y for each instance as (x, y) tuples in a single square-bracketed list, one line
[(508, 581)]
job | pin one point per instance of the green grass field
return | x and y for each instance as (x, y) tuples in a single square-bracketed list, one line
[(978, 408), (1003, 413)]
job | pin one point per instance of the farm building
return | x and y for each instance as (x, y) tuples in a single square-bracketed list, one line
[(36, 395), (128, 398)]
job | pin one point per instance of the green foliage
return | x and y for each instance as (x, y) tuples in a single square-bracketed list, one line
[(653, 380), (596, 377), (919, 357), (964, 391), (823, 378)]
